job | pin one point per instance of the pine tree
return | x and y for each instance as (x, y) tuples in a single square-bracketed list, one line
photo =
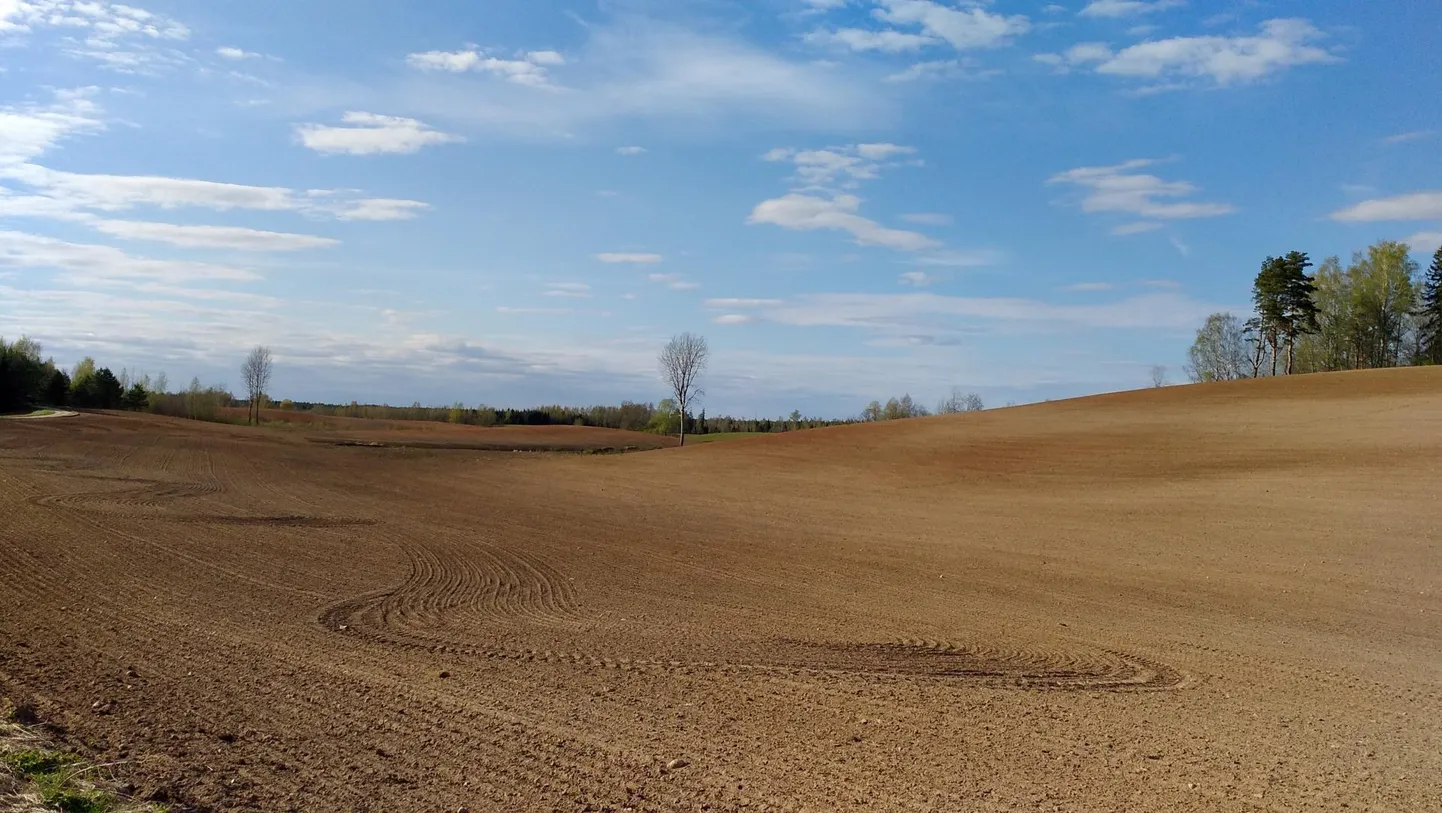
[(1268, 290), (1299, 309), (1283, 293), (1431, 311)]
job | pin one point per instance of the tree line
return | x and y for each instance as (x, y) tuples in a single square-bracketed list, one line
[(1381, 310), (905, 407), (26, 381)]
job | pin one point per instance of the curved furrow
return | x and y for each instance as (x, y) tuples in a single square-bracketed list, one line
[(1060, 669)]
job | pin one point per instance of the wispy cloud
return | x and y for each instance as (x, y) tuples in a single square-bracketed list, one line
[(1180, 62), (1127, 8), (228, 237), (574, 290), (635, 68), (630, 150), (1416, 206), (928, 218), (962, 28), (845, 166), (1403, 138), (235, 54), (530, 69), (371, 134), (857, 39), (627, 257), (917, 279), (810, 212), (674, 282), (1121, 189)]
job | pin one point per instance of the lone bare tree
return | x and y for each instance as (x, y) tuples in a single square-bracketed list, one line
[(256, 372), (682, 361), (1159, 375)]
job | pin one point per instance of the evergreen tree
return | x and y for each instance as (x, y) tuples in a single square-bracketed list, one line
[(1299, 309), (1283, 293), (1431, 311), (1267, 293), (136, 397), (57, 388)]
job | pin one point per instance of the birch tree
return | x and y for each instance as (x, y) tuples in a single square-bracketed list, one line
[(682, 362), (256, 372)]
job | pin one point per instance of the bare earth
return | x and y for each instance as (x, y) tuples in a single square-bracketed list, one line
[(1225, 597)]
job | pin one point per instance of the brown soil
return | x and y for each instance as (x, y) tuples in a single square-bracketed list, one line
[(1225, 597)]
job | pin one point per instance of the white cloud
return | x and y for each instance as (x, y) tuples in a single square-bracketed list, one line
[(1122, 189), (1416, 206), (231, 237), (28, 131), (1126, 8), (846, 164), (1415, 135), (371, 134), (118, 37), (545, 58), (1088, 52), (731, 303), (959, 259), (104, 22), (675, 282), (531, 311), (963, 28), (641, 70), (858, 39), (1136, 227), (624, 257), (529, 70), (117, 192), (1089, 287), (734, 319), (379, 209), (880, 152), (1425, 241), (893, 312), (235, 54), (94, 264), (630, 150), (809, 212), (936, 70), (1224, 61), (928, 218), (68, 193), (575, 290), (917, 279)]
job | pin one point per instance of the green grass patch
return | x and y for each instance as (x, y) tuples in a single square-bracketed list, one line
[(56, 780), (57, 790), (30, 762), (38, 413)]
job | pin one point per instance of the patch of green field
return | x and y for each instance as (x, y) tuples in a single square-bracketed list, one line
[(39, 413), (720, 436), (32, 774)]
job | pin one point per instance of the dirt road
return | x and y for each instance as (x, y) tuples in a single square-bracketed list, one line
[(1225, 597)]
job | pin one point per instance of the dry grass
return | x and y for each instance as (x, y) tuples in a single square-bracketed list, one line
[(36, 777)]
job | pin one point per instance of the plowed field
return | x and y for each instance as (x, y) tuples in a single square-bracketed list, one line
[(1224, 597)]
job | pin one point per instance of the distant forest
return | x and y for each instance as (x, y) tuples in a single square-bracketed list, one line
[(1381, 310)]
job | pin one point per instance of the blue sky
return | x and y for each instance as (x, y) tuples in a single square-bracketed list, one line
[(518, 201)]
